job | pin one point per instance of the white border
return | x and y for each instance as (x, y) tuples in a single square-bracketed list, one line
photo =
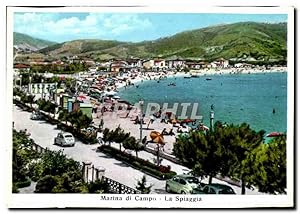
[(89, 200)]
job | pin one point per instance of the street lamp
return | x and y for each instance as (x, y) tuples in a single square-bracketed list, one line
[(29, 86), (211, 116), (42, 88), (141, 102), (21, 81)]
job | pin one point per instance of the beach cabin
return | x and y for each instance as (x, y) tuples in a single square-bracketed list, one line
[(86, 108), (70, 104), (63, 102)]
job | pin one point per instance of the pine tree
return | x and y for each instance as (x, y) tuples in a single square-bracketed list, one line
[(141, 186)]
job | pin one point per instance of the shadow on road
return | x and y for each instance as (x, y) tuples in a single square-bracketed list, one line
[(160, 191), (121, 164), (105, 156)]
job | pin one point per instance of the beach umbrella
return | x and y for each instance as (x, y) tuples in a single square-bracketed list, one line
[(156, 137), (187, 121), (174, 121), (81, 97)]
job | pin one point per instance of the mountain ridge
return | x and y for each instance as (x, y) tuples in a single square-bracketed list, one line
[(260, 41), (23, 41)]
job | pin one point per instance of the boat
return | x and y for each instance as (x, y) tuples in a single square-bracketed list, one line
[(208, 79), (172, 84), (275, 134), (195, 76), (187, 77)]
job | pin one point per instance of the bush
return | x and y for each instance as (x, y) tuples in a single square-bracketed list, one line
[(98, 187), (46, 184), (22, 184), (15, 188), (160, 172)]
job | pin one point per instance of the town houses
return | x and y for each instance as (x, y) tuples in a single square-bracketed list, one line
[(122, 65)]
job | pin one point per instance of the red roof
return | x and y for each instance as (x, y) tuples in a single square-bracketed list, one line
[(19, 66)]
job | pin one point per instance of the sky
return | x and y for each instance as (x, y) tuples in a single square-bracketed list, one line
[(130, 27)]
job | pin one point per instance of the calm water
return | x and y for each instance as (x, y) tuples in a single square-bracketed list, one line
[(248, 98)]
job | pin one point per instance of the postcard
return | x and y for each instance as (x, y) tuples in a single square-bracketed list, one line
[(150, 107)]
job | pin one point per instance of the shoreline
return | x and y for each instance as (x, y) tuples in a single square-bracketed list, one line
[(203, 72), (112, 119)]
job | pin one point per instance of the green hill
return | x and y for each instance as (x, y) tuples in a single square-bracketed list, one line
[(24, 41), (260, 41)]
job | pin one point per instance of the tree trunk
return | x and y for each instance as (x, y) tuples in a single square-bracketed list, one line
[(120, 146), (243, 187), (136, 154), (210, 179)]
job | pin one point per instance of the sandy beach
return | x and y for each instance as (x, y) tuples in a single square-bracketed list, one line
[(126, 119)]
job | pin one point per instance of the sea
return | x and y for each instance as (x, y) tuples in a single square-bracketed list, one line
[(257, 99)]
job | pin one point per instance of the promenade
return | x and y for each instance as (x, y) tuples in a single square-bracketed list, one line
[(43, 134)]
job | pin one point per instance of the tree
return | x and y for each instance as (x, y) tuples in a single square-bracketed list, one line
[(63, 115), (142, 186), (21, 157), (46, 106), (98, 186), (132, 144), (225, 150), (120, 136), (30, 99), (268, 166), (27, 99), (106, 134), (199, 151), (46, 184), (238, 141)]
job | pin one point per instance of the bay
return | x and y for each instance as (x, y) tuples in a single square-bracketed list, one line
[(257, 99)]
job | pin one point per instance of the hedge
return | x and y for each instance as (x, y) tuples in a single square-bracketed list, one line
[(161, 172), (22, 184)]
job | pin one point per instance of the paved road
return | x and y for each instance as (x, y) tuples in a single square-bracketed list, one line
[(43, 134)]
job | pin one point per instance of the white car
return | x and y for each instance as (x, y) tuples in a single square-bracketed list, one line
[(36, 116), (64, 139)]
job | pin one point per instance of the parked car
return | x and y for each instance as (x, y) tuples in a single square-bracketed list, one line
[(214, 189), (36, 116), (64, 139), (183, 184)]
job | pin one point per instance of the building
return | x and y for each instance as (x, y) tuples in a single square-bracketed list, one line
[(220, 63), (195, 64), (118, 66), (19, 67), (159, 64), (148, 64), (134, 63), (175, 62)]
